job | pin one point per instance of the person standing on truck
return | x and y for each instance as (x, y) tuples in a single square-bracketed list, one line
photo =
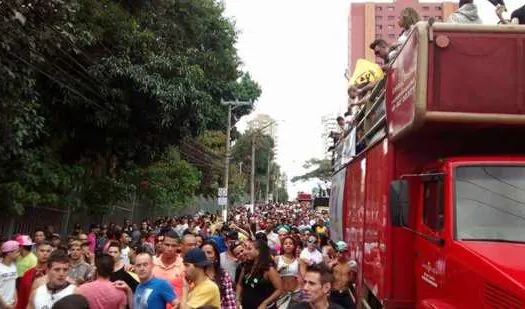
[(342, 288), (466, 14), (517, 17)]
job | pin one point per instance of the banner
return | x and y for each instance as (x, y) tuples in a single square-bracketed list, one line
[(336, 205), (366, 71), (349, 146)]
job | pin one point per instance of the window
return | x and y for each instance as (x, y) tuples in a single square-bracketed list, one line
[(392, 35), (438, 8), (379, 27), (391, 27), (391, 17), (425, 17), (379, 19), (490, 203), (379, 9), (390, 9), (433, 212), (426, 8), (438, 18)]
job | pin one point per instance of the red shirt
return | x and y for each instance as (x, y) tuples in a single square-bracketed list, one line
[(25, 284)]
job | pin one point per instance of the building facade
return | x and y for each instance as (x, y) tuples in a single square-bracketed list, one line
[(370, 20)]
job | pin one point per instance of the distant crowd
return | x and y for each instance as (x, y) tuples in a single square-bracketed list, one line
[(279, 256)]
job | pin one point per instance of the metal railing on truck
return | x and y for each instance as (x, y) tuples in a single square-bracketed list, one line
[(369, 127)]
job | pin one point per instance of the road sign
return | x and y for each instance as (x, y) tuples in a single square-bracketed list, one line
[(222, 201), (222, 192)]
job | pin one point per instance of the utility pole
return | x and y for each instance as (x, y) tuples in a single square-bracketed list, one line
[(235, 104), (227, 157)]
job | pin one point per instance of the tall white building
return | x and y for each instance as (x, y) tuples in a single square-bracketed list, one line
[(263, 121), (329, 123)]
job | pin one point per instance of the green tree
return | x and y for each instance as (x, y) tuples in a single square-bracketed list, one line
[(92, 90), (242, 155), (171, 182), (319, 168)]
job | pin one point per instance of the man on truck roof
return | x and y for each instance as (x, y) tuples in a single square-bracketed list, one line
[(466, 14)]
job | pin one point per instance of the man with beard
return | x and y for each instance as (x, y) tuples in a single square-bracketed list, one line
[(42, 250)]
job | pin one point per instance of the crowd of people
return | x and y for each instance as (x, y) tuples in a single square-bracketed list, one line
[(278, 256)]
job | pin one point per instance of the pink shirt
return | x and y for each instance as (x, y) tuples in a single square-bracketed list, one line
[(92, 238), (101, 294)]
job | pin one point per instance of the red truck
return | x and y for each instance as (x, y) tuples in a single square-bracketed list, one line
[(432, 204)]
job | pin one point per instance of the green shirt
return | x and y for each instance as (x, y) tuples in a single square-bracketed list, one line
[(25, 263)]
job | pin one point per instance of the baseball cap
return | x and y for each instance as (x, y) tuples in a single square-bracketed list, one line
[(312, 239), (10, 246), (341, 246), (24, 240), (196, 257)]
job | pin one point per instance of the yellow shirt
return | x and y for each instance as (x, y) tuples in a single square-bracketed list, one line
[(25, 263), (206, 293)]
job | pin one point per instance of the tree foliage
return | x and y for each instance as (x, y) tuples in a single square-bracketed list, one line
[(170, 182), (319, 168), (93, 91)]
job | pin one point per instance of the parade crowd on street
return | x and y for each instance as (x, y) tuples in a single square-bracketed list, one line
[(278, 256)]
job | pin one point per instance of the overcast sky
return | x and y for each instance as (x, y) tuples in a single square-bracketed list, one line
[(297, 51)]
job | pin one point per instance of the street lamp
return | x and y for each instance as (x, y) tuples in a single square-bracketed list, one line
[(235, 104)]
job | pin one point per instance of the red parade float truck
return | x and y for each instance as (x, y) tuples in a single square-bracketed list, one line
[(432, 203)]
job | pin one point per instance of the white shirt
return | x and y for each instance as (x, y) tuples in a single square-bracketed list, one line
[(43, 299), (124, 255), (8, 283), (311, 257)]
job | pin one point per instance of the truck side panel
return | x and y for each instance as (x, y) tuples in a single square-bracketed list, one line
[(355, 212), (477, 73), (376, 260)]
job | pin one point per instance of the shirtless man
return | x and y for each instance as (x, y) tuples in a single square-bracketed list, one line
[(342, 268)]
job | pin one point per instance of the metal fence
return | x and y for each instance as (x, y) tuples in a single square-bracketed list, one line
[(64, 221)]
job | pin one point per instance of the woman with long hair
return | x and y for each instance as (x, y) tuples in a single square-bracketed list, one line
[(219, 276), (407, 19), (260, 285), (288, 268)]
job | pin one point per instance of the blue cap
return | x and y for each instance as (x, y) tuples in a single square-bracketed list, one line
[(196, 257)]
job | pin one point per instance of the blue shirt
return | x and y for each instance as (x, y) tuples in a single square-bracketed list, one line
[(153, 294), (219, 240)]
